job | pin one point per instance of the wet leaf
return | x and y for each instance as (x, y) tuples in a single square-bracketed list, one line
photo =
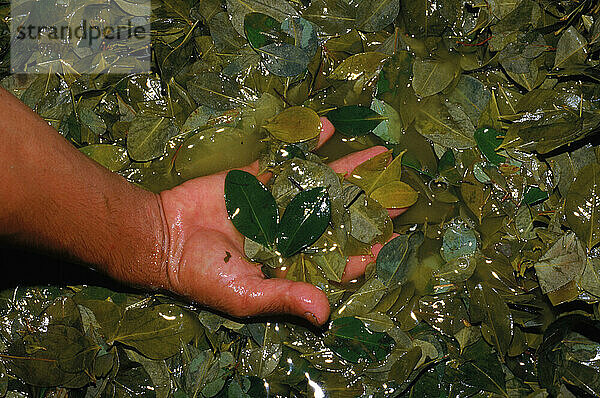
[(112, 157), (381, 181), (350, 339), (374, 17), (157, 332), (251, 207), (571, 49), (295, 124), (282, 59), (147, 137), (362, 301), (445, 124), (458, 241), (432, 76), (237, 9), (493, 313), (215, 149), (303, 32), (562, 263), (390, 129), (581, 207), (261, 30), (354, 120), (304, 221), (364, 65), (398, 259)]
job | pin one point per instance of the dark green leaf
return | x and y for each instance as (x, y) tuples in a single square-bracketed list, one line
[(261, 30), (350, 339), (304, 221), (354, 120), (488, 141), (251, 207)]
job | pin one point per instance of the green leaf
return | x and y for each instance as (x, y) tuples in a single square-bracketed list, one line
[(564, 262), (391, 129), (567, 354), (261, 30), (295, 124), (445, 124), (147, 137), (397, 259), (482, 369), (373, 17), (472, 96), (219, 92), (363, 65), (251, 207), (278, 9), (534, 195), (282, 59), (432, 76), (305, 219), (354, 120), (304, 34), (459, 241), (490, 309), (362, 301), (488, 141), (350, 339), (156, 332), (112, 157), (571, 49), (215, 149), (583, 203)]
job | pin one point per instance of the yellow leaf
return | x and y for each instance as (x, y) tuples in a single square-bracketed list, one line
[(395, 195), (295, 124)]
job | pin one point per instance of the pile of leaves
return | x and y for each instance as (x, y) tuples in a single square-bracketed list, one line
[(490, 110)]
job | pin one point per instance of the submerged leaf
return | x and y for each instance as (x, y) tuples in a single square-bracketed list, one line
[(295, 124), (350, 339), (397, 259)]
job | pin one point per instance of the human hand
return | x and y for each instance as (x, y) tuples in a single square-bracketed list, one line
[(205, 256)]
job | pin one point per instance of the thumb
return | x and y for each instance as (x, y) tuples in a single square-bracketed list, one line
[(282, 296)]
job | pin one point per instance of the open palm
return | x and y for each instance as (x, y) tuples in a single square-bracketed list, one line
[(205, 257)]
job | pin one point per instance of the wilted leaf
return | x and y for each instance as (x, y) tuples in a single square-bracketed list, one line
[(571, 49), (490, 309), (282, 59)]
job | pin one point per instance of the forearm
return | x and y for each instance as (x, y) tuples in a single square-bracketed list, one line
[(54, 198)]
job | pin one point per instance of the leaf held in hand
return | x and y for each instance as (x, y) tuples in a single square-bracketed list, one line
[(305, 219), (251, 207)]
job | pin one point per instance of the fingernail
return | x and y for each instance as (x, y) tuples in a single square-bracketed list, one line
[(312, 316)]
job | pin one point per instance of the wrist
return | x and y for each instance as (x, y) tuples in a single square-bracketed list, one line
[(143, 244)]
